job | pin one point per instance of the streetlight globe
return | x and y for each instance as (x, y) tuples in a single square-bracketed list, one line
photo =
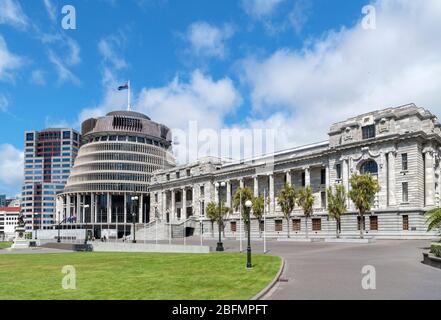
[(216, 184), (248, 204), (222, 184)]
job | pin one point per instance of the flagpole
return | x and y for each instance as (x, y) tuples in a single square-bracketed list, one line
[(264, 221), (128, 96)]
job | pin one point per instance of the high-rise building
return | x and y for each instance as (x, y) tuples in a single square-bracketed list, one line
[(2, 200), (112, 173), (49, 156)]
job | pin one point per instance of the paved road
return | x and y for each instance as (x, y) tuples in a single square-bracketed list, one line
[(333, 271)]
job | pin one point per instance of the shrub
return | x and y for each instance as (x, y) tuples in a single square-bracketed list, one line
[(435, 248)]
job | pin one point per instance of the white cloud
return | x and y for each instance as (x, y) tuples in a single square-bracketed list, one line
[(51, 10), (208, 40), (38, 77), (74, 51), (351, 71), (8, 61), (11, 168), (3, 102), (64, 74), (11, 13), (260, 8), (108, 48)]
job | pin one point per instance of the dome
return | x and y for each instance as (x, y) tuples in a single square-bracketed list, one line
[(128, 114)]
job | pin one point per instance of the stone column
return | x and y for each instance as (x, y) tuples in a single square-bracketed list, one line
[(241, 183), (125, 207), (229, 194), (184, 204), (256, 186), (69, 205), (307, 176), (141, 209), (429, 179), (288, 177), (271, 193), (109, 208), (391, 179), (173, 205), (77, 211), (216, 193), (345, 178)]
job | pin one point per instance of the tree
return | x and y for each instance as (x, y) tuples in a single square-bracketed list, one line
[(363, 190), (258, 209), (433, 219), (305, 200), (337, 205), (287, 201), (211, 213), (241, 196), (216, 214)]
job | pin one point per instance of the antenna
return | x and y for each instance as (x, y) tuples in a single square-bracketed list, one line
[(129, 107)]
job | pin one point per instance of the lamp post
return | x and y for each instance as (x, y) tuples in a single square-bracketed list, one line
[(134, 198), (248, 205), (220, 246), (85, 221)]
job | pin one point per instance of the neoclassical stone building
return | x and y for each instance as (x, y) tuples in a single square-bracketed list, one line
[(125, 175), (399, 146)]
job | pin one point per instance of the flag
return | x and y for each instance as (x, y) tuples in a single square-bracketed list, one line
[(124, 87)]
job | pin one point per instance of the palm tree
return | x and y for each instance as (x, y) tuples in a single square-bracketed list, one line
[(258, 209), (287, 201), (211, 213), (241, 196), (434, 219), (363, 190), (337, 205), (305, 200)]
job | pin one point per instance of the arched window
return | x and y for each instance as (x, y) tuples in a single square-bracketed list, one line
[(369, 166)]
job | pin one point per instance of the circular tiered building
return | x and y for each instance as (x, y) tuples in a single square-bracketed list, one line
[(109, 181)]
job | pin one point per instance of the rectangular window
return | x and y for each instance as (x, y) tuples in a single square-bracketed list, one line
[(373, 223), (368, 132), (66, 134), (167, 177), (296, 224), (406, 222), (29, 136), (262, 226), (358, 222), (316, 224), (303, 179), (323, 176), (278, 225), (202, 191), (404, 166), (338, 170), (405, 192), (178, 175), (188, 172), (233, 226), (323, 199)]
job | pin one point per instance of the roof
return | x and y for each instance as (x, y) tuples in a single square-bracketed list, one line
[(128, 114), (10, 209)]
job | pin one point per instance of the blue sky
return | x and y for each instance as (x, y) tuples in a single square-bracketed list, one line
[(247, 64)]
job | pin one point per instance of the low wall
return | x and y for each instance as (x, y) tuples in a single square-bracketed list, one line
[(146, 247)]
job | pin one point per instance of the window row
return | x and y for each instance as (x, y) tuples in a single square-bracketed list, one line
[(111, 177)]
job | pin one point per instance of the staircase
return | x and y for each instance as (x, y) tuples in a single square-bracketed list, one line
[(160, 230)]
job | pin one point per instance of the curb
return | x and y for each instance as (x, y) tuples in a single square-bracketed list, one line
[(262, 293)]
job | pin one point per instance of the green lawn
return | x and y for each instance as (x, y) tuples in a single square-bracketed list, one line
[(4, 245), (147, 276)]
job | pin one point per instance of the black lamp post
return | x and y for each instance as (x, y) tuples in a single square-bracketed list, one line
[(135, 198), (248, 205), (220, 246)]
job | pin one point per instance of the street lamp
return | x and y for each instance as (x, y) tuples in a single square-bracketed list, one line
[(248, 205), (85, 220), (220, 246), (134, 198)]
